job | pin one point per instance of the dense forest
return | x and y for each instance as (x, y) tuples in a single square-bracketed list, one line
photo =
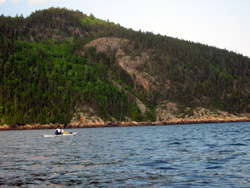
[(46, 72)]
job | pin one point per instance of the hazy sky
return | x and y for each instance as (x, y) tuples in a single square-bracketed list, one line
[(221, 23)]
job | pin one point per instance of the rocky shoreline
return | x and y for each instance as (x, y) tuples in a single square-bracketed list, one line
[(124, 124)]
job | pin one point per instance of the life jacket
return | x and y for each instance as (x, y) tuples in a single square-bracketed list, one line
[(58, 131)]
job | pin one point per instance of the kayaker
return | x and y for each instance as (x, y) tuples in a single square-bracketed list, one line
[(58, 130)]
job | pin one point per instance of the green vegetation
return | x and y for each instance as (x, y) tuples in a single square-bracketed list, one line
[(46, 73), (43, 83)]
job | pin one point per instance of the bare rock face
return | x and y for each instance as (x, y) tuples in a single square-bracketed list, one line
[(128, 63), (141, 106), (85, 117), (166, 111), (169, 112), (107, 43)]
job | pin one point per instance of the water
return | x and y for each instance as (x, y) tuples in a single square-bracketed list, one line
[(210, 155)]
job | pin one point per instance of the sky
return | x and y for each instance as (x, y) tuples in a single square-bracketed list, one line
[(224, 24)]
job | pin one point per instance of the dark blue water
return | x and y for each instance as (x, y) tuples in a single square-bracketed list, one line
[(209, 155)]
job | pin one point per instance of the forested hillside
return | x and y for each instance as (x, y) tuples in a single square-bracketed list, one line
[(57, 61)]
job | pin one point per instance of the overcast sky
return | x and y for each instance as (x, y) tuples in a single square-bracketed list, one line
[(221, 23)]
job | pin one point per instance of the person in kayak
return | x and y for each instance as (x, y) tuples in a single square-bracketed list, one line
[(58, 131)]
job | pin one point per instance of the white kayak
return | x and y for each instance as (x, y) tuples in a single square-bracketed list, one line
[(64, 134)]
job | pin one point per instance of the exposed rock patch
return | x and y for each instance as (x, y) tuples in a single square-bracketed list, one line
[(166, 111), (141, 106), (106, 44), (129, 64), (170, 112), (85, 117)]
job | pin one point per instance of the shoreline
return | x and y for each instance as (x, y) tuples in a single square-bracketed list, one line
[(123, 124)]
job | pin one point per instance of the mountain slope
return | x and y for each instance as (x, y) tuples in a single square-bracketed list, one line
[(58, 65)]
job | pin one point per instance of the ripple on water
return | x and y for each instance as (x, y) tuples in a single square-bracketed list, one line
[(211, 155)]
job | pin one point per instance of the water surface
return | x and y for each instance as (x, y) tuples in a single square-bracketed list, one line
[(210, 155)]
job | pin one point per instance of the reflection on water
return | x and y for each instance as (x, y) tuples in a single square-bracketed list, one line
[(211, 155)]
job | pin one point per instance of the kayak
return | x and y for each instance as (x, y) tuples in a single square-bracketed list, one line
[(64, 134)]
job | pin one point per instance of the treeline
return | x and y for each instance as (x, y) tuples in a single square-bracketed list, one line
[(42, 82), (199, 75), (46, 72)]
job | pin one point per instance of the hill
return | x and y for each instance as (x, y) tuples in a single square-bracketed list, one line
[(62, 66)]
